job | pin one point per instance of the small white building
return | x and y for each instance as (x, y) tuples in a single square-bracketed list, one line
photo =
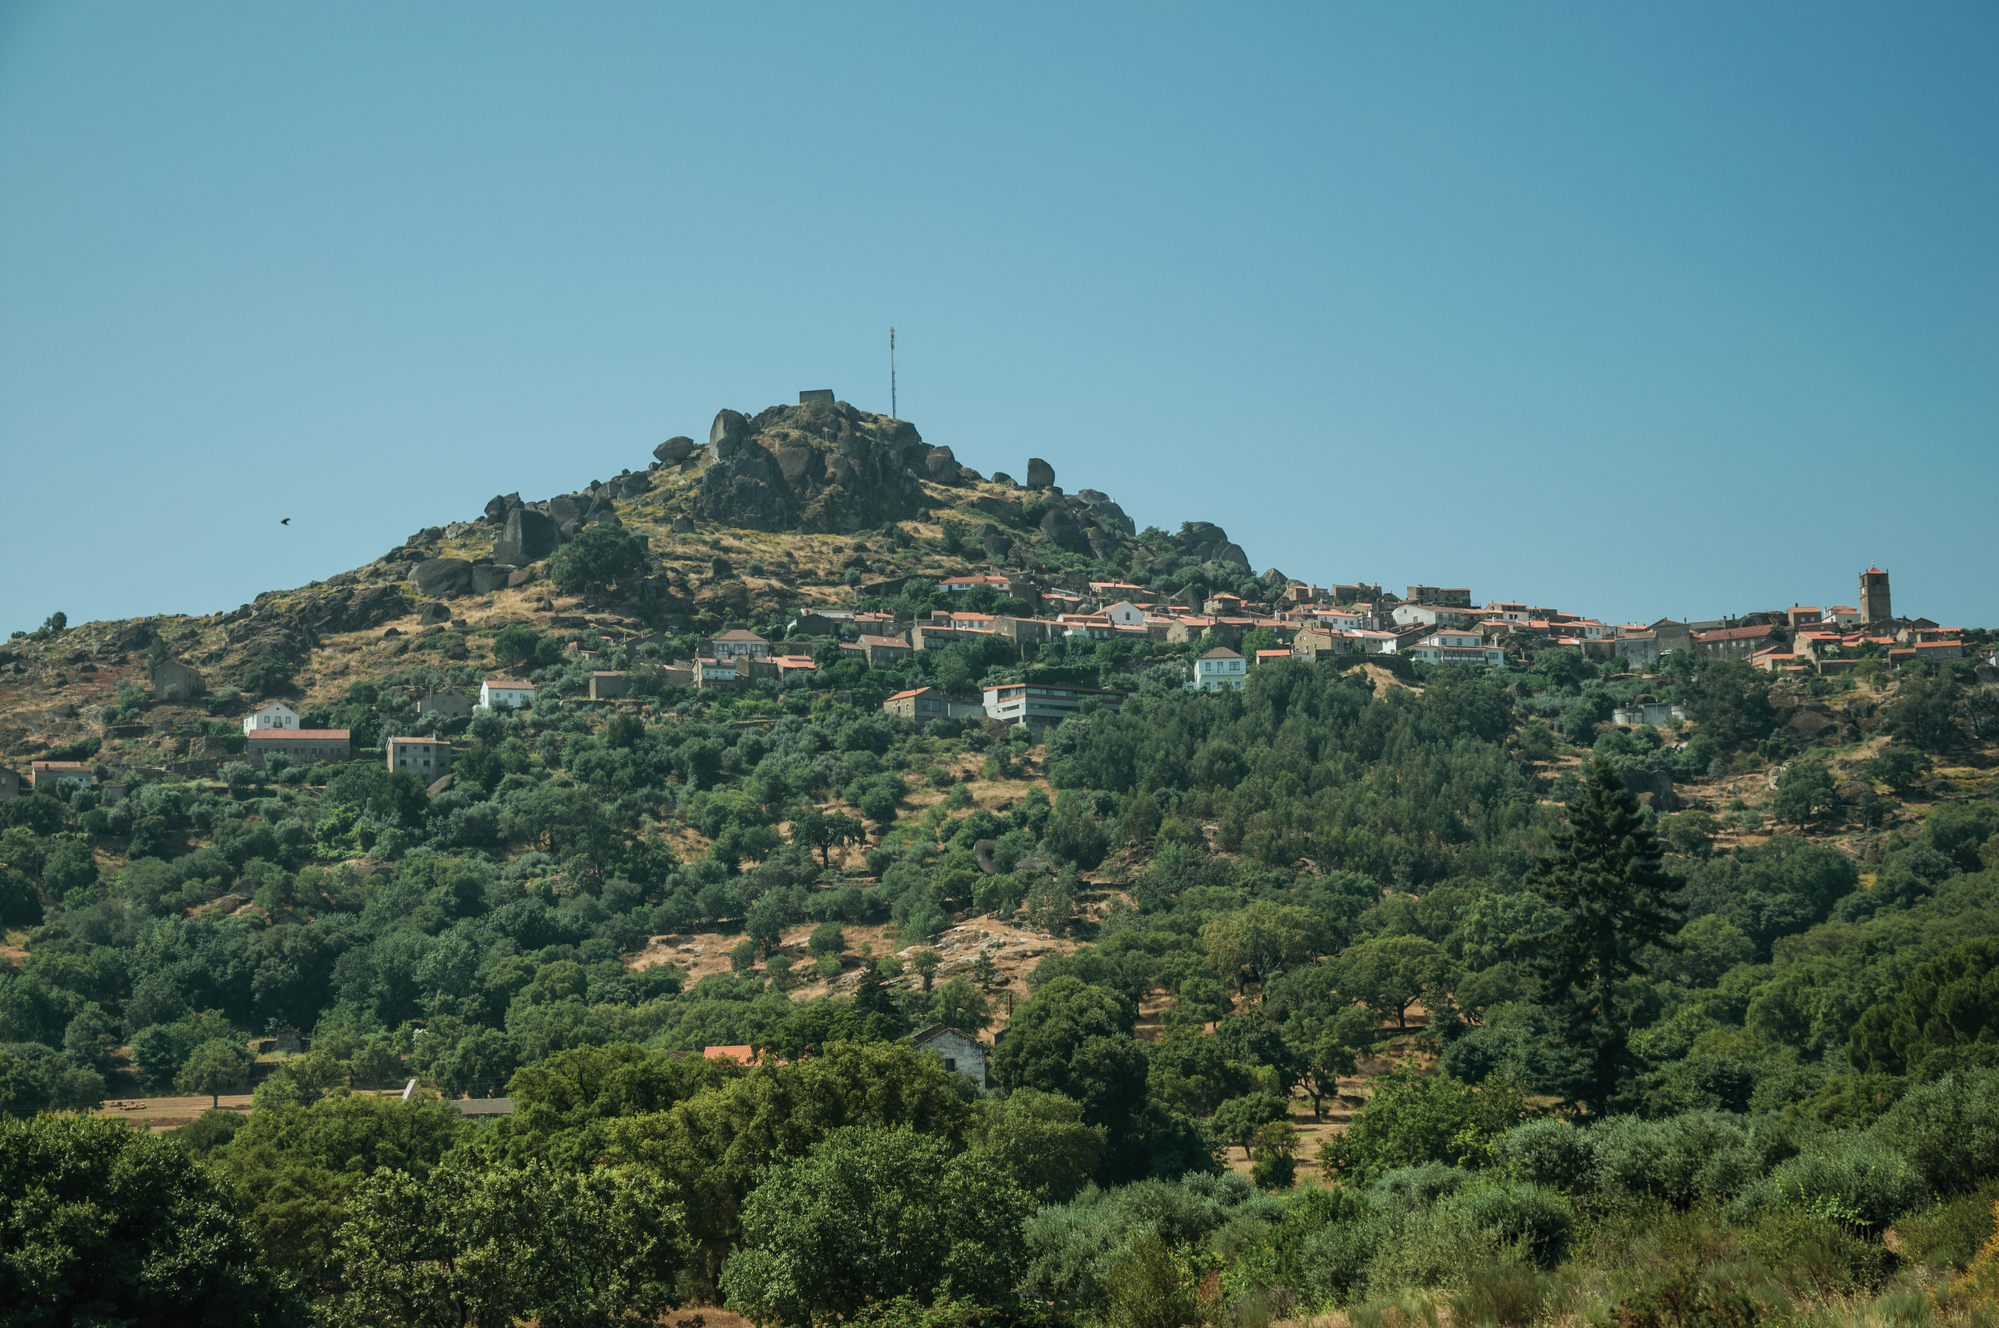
[(961, 1055), (1125, 614), (496, 693), (1457, 648), (276, 715), (1654, 713), (1219, 668), (1434, 615)]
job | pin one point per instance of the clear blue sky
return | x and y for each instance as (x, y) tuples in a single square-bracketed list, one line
[(1632, 310)]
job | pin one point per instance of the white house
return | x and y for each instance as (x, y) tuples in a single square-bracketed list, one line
[(1434, 615), (1124, 613), (276, 715), (1449, 647), (1376, 642), (1217, 669), (497, 692), (1654, 713), (1845, 615)]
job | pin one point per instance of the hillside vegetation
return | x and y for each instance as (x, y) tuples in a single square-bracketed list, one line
[(1391, 995)]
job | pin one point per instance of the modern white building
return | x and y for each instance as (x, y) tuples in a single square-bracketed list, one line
[(1219, 668), (1434, 615), (1654, 713), (1457, 648), (1043, 705), (495, 693), (276, 715)]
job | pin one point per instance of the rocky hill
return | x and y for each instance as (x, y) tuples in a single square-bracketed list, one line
[(793, 506)]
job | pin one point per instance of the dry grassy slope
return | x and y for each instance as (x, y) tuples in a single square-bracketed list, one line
[(47, 703)]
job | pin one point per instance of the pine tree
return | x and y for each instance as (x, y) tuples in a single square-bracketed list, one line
[(872, 996), (1604, 875)]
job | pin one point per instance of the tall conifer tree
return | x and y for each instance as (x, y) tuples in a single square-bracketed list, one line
[(1604, 875)]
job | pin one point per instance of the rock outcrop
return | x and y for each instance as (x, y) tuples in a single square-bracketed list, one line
[(529, 537), (441, 577), (1039, 473), (1205, 542), (818, 468)]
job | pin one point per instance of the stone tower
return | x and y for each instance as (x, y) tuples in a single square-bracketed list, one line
[(1874, 606)]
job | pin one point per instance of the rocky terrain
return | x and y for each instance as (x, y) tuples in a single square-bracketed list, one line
[(777, 511)]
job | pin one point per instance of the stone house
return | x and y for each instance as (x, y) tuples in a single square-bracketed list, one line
[(1732, 642), (737, 644), (47, 774), (299, 746), (883, 651), (919, 703), (276, 715), (451, 705), (176, 682), (1323, 643), (1640, 648), (1440, 596), (1673, 635), (960, 1054), (606, 685), (10, 784), (429, 759)]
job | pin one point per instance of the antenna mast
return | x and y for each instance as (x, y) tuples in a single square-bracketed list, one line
[(891, 374)]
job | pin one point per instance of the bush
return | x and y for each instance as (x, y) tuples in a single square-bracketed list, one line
[(1553, 1153), (601, 552), (1948, 1130), (1948, 1234), (1847, 1177), (1520, 1212), (1334, 1260)]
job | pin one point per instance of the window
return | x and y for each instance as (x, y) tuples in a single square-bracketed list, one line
[(951, 1064)]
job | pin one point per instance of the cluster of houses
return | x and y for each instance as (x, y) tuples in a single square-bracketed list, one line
[(1432, 624)]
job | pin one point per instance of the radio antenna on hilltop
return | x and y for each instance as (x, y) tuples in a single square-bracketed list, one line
[(891, 374)]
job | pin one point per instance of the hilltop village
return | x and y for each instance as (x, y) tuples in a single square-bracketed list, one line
[(807, 846)]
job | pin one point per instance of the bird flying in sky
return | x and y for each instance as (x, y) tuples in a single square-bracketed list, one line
[(286, 522)]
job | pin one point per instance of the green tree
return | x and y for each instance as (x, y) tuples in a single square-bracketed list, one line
[(602, 552), (105, 1224), (1951, 1001), (217, 1066), (294, 1171), (1924, 714), (925, 962), (478, 1244), (873, 1214), (962, 1006), (1603, 874), (1040, 1140), (1248, 946), (1075, 1040), (1237, 1120), (1391, 973), (1411, 1119), (1276, 1151), (1900, 768), (1730, 700), (1804, 793), (268, 672)]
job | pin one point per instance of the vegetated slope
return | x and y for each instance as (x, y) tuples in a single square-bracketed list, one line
[(1239, 901)]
